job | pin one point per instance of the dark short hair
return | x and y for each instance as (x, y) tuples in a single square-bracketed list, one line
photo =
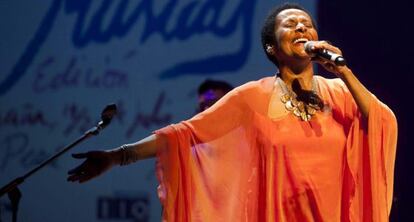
[(269, 26), (209, 84)]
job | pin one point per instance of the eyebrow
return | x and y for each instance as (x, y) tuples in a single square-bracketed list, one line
[(288, 20), (301, 19)]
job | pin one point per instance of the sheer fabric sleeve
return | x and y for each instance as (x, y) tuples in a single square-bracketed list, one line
[(193, 168), (229, 112), (370, 158)]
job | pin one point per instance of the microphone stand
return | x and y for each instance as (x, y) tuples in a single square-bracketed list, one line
[(12, 187)]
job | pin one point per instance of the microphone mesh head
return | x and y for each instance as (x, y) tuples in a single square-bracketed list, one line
[(309, 48)]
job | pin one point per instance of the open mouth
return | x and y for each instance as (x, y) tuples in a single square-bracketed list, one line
[(300, 40)]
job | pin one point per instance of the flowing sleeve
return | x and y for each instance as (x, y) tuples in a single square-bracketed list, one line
[(228, 113), (193, 169), (370, 158)]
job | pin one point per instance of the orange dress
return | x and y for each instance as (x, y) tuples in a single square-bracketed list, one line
[(234, 162)]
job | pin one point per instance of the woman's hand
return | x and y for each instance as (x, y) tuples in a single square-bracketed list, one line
[(360, 94), (96, 163), (330, 66)]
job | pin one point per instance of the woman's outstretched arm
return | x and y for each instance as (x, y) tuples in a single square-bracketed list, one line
[(99, 161)]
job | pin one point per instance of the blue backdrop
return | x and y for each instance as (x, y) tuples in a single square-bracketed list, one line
[(62, 61)]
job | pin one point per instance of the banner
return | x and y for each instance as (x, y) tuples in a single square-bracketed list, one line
[(63, 61)]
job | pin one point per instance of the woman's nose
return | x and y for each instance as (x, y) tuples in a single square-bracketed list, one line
[(300, 27)]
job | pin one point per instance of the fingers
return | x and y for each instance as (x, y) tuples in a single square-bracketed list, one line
[(85, 178), (81, 173), (80, 177), (78, 172), (319, 60), (80, 155), (73, 178), (95, 163), (326, 45), (78, 168), (328, 65)]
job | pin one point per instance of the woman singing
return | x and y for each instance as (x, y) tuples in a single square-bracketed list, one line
[(294, 146)]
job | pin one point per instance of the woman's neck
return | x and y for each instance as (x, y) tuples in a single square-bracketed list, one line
[(303, 75)]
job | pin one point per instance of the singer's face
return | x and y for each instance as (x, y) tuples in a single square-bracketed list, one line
[(293, 28)]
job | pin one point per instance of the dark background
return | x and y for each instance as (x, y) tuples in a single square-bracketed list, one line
[(376, 39)]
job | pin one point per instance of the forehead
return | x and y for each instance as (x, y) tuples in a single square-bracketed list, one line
[(292, 14)]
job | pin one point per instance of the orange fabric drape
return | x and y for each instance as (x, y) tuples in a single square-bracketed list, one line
[(234, 162)]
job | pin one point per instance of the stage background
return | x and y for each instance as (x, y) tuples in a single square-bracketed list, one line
[(372, 36), (62, 61)]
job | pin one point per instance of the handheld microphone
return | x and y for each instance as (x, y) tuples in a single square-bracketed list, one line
[(324, 53)]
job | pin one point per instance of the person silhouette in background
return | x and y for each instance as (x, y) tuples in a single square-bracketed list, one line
[(210, 91)]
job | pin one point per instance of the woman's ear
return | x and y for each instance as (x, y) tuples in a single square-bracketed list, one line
[(270, 49)]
